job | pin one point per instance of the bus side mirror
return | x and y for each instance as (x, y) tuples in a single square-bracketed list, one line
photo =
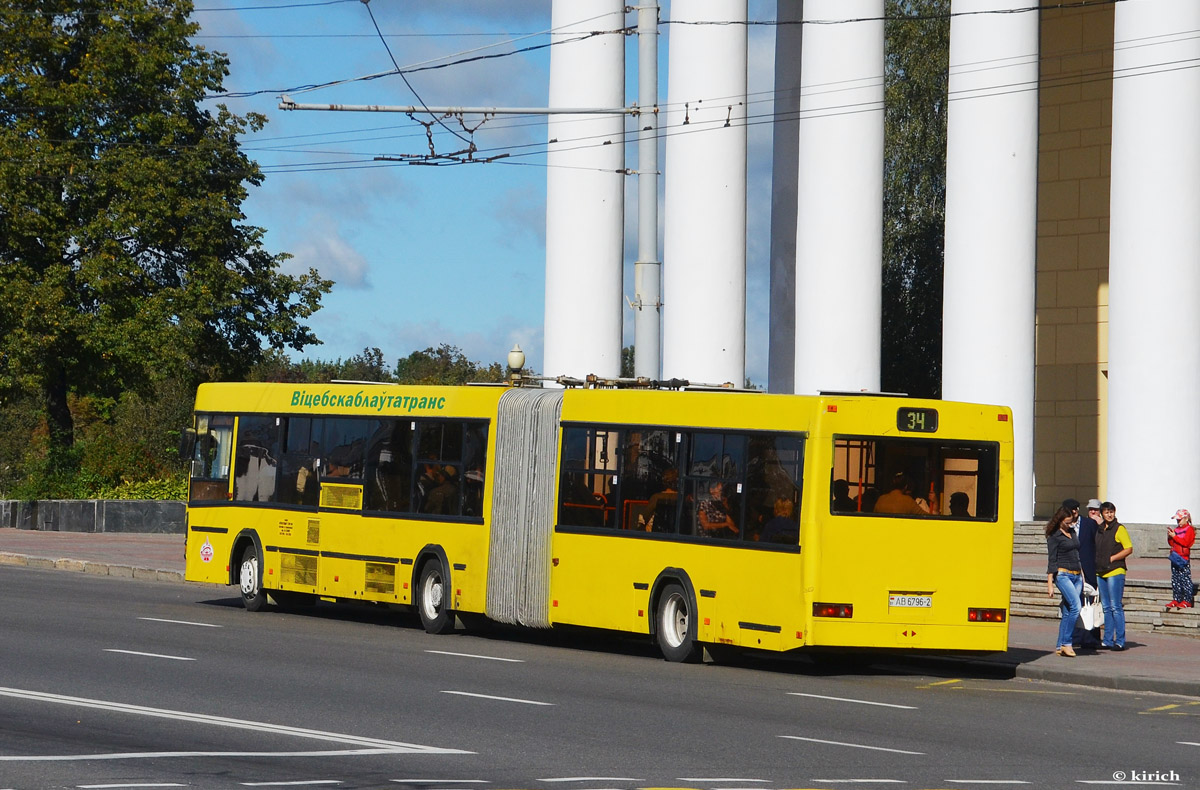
[(187, 444)]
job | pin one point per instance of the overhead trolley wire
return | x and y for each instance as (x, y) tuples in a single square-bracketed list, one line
[(1070, 4)]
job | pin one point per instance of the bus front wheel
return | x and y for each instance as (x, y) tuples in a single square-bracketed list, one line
[(436, 616), (250, 581), (677, 626)]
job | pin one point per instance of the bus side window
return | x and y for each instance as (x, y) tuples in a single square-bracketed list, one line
[(474, 465), (211, 457), (649, 480), (715, 494), (389, 467), (346, 438), (586, 495), (257, 459), (298, 466), (438, 489), (774, 483)]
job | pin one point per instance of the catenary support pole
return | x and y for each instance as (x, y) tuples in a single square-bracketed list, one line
[(785, 164), (647, 270)]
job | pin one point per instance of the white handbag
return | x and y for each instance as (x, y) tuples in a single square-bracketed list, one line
[(1091, 613)]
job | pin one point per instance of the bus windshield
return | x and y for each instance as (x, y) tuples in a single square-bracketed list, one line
[(919, 478)]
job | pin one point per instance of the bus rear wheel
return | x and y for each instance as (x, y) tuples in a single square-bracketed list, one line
[(676, 629), (254, 597), (436, 616)]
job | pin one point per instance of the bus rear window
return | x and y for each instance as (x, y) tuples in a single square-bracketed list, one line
[(916, 478)]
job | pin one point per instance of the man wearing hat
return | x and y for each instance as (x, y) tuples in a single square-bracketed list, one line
[(1087, 557)]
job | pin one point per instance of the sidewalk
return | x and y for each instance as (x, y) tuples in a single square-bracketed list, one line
[(1152, 661)]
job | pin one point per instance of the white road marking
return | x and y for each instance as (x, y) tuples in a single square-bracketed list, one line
[(854, 745), (862, 781), (592, 779), (443, 781), (473, 655), (148, 655), (1187, 743), (68, 758), (716, 779), (222, 721), (101, 787), (987, 781), (846, 699), (289, 784), (500, 699), (181, 622)]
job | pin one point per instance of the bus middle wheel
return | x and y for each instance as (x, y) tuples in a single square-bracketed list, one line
[(676, 629)]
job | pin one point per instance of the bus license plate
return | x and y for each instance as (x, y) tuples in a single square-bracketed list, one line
[(911, 601)]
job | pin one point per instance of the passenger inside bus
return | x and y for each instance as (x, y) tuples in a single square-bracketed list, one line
[(714, 513), (899, 500), (783, 527), (960, 504), (442, 498), (659, 514), (842, 501)]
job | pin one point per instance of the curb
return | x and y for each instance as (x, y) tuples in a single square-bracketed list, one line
[(93, 568), (1143, 683)]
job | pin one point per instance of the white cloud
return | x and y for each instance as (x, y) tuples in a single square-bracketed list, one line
[(323, 248)]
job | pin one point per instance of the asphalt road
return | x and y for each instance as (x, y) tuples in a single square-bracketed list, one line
[(109, 683)]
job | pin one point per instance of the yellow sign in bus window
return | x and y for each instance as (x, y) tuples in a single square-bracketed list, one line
[(343, 497)]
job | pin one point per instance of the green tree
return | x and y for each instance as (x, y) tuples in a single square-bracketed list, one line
[(123, 252), (918, 53), (277, 366), (445, 364)]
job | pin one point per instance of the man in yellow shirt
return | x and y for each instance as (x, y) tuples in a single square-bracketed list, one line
[(1113, 545)]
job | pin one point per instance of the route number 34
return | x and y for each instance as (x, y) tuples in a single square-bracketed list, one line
[(917, 420)]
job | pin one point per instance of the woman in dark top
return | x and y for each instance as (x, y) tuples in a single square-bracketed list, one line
[(1064, 571)]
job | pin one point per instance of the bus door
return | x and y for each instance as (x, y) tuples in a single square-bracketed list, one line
[(298, 533)]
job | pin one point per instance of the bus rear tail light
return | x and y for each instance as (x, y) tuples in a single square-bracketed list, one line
[(833, 609), (986, 615)]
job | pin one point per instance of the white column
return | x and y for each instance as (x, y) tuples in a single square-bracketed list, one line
[(704, 244), (839, 216), (585, 192), (991, 219), (785, 152), (1154, 262)]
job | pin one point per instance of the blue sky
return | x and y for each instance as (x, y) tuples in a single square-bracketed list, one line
[(430, 255)]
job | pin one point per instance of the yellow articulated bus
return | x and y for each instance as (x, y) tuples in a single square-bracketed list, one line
[(698, 518)]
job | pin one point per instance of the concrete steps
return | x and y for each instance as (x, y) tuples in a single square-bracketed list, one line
[(1145, 599), (1144, 606)]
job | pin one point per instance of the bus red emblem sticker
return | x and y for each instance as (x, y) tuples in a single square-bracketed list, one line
[(206, 551)]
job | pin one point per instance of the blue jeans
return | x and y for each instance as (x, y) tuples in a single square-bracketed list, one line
[(1071, 586), (1112, 590)]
